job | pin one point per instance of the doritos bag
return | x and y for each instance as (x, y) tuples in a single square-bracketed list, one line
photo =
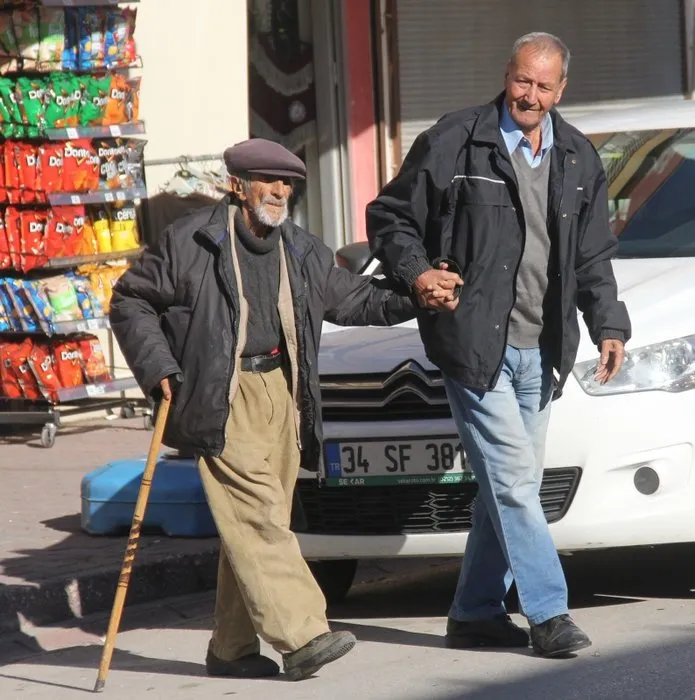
[(65, 231), (9, 381), (88, 244), (112, 163), (5, 256), (42, 365), (68, 363), (33, 226), (95, 96), (18, 379), (30, 95), (50, 167), (116, 112), (80, 166), (25, 156), (14, 236), (94, 362)]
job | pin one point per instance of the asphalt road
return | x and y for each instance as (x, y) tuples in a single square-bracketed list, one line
[(638, 607)]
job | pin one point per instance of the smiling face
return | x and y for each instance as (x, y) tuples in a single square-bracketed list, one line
[(533, 85), (264, 199)]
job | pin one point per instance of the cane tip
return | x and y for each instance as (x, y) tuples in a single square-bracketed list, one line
[(99, 685)]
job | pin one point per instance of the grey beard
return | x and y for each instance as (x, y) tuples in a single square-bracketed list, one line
[(263, 217)]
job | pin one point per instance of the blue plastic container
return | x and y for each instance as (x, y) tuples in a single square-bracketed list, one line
[(176, 506)]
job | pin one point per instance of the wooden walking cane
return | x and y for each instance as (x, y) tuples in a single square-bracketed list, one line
[(131, 547)]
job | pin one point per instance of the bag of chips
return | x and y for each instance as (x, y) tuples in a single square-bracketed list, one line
[(124, 230), (30, 95), (116, 112), (27, 171), (62, 101), (26, 30), (32, 292), (33, 225), (130, 53), (88, 242), (65, 231), (50, 167), (42, 365), (51, 37), (13, 232), (9, 52), (132, 104), (68, 363), (80, 166), (94, 362), (84, 298), (92, 23), (61, 294), (5, 250), (112, 163), (11, 170), (12, 126), (10, 386), (4, 320), (72, 40), (95, 96), (8, 304), (101, 223), (21, 300)]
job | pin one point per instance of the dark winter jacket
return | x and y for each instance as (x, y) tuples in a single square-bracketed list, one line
[(176, 312), (456, 196)]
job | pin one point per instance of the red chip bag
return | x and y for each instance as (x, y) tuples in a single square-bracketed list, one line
[(68, 363), (80, 166), (26, 159), (33, 225), (11, 172), (17, 374), (9, 382), (42, 365), (94, 362), (65, 231), (14, 235), (3, 189), (5, 251), (51, 167)]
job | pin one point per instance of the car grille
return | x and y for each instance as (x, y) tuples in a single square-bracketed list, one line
[(406, 393), (393, 510)]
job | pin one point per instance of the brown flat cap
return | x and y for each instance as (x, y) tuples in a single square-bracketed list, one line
[(264, 157)]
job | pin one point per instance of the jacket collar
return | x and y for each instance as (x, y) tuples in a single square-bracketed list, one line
[(487, 126), (216, 230)]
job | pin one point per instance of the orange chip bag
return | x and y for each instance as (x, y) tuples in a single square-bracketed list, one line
[(9, 381), (42, 364), (18, 377), (80, 166), (117, 106)]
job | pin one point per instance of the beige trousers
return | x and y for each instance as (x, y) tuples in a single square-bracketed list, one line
[(264, 586)]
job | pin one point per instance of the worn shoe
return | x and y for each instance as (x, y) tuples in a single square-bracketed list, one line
[(497, 631), (558, 636), (320, 651), (250, 666)]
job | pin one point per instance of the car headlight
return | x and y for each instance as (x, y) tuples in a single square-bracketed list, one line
[(667, 366)]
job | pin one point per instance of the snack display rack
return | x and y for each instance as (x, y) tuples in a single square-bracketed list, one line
[(72, 184)]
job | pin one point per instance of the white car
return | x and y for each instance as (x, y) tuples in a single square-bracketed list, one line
[(619, 464)]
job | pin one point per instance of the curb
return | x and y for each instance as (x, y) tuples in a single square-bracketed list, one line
[(61, 599)]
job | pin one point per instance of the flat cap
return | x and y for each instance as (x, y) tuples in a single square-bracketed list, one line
[(263, 157)]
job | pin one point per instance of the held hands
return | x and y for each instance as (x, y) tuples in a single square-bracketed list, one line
[(165, 385), (612, 356), (436, 289)]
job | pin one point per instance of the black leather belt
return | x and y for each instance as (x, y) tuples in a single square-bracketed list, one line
[(262, 363)]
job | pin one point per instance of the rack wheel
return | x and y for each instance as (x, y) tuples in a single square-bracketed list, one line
[(148, 422), (48, 435), (127, 411)]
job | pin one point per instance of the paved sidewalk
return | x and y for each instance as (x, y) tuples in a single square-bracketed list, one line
[(49, 569)]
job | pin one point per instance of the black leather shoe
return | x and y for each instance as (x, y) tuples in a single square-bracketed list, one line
[(497, 631), (250, 666), (558, 636)]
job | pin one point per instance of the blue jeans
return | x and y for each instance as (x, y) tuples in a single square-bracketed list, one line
[(503, 433)]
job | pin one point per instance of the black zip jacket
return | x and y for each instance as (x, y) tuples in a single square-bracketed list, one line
[(457, 197), (176, 312)]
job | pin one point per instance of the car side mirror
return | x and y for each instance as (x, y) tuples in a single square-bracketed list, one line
[(355, 257)]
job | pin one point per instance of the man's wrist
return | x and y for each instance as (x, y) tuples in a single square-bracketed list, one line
[(610, 334)]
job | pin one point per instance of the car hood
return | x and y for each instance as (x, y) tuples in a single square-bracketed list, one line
[(659, 295)]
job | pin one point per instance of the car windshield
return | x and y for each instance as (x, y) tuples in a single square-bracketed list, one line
[(651, 179)]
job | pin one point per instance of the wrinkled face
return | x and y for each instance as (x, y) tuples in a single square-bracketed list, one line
[(533, 85), (265, 197)]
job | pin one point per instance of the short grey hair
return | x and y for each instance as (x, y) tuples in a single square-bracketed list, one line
[(543, 42)]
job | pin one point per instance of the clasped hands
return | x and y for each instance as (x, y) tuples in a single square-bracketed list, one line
[(438, 289)]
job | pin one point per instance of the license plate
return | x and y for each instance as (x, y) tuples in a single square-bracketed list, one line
[(437, 460)]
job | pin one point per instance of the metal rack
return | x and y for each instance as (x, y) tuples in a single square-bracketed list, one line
[(108, 395)]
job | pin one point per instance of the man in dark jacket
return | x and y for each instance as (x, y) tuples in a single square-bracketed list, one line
[(516, 199), (225, 313)]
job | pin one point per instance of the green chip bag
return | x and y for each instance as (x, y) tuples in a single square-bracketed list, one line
[(95, 95), (30, 98), (12, 127), (62, 100)]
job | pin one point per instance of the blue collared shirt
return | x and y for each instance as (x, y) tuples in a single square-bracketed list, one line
[(514, 137)]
